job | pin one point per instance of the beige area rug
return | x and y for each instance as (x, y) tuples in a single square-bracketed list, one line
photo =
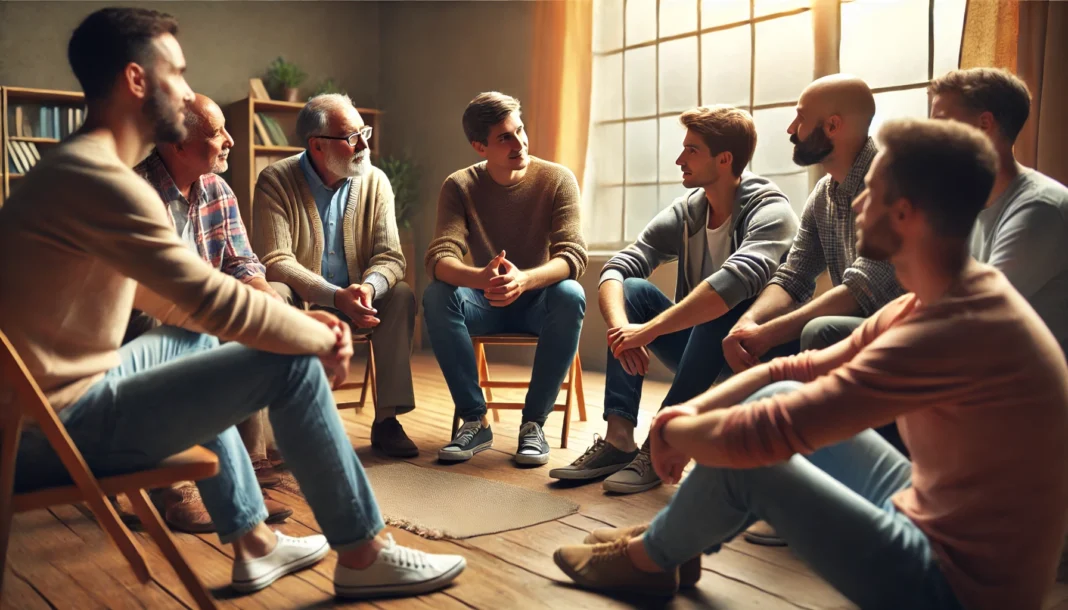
[(437, 504)]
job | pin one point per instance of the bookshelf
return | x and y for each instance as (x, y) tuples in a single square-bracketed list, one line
[(31, 122)]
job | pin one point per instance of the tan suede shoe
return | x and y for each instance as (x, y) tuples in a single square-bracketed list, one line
[(606, 567), (689, 572)]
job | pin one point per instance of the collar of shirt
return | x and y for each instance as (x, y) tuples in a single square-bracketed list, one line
[(157, 175), (854, 180), (315, 183)]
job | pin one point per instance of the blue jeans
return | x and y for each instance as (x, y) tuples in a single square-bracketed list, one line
[(833, 508), (695, 354), (554, 314), (175, 389)]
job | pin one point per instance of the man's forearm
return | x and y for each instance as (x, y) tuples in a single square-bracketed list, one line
[(702, 305), (613, 307), (260, 283), (837, 301), (732, 391), (772, 303), (454, 272), (698, 436), (552, 272)]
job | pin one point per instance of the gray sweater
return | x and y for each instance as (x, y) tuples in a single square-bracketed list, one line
[(763, 230), (1024, 234)]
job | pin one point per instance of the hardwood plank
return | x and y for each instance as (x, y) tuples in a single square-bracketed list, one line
[(18, 593)]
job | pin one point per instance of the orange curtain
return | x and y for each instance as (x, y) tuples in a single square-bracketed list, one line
[(557, 112), (1031, 39)]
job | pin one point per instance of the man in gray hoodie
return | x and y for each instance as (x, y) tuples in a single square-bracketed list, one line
[(729, 235)]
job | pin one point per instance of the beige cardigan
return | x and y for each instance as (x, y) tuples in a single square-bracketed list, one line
[(288, 233)]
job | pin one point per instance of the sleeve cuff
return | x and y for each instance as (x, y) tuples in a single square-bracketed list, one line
[(611, 274), (728, 286), (378, 283)]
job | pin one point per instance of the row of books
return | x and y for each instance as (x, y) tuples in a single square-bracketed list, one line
[(268, 131), (21, 156), (51, 121)]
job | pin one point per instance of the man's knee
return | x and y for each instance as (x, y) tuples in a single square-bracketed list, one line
[(288, 295), (438, 296), (825, 331), (401, 300), (567, 295)]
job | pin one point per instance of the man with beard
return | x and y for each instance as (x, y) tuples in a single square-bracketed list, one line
[(831, 128), (326, 230), (728, 235), (205, 214), (518, 218), (99, 234), (959, 526)]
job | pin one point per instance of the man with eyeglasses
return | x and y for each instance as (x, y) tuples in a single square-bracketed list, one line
[(326, 231)]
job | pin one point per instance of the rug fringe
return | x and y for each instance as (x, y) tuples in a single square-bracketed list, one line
[(415, 528)]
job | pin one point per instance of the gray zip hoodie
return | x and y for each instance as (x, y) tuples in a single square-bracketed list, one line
[(764, 226)]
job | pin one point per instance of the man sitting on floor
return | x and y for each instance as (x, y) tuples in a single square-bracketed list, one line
[(728, 236), (83, 219), (1024, 228), (518, 217), (205, 214), (325, 227), (976, 519)]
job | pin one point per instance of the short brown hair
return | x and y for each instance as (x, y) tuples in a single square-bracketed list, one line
[(992, 90), (485, 111), (944, 168), (724, 129), (109, 39)]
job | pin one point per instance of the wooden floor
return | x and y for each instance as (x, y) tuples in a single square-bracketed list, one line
[(60, 559)]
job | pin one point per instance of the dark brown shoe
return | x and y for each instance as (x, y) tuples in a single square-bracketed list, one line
[(266, 474), (275, 457), (276, 511), (183, 509), (388, 437)]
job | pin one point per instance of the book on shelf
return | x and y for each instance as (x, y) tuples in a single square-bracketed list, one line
[(31, 150), (261, 130), (14, 153), (276, 135), (56, 122)]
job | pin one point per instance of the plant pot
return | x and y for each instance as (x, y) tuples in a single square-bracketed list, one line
[(292, 94)]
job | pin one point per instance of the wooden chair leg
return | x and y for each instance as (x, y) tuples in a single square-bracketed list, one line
[(580, 395), (9, 447), (483, 375), (568, 399), (372, 373), (163, 538), (366, 377)]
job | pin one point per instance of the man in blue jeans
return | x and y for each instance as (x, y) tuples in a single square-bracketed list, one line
[(518, 218), (728, 235), (960, 526), (101, 236)]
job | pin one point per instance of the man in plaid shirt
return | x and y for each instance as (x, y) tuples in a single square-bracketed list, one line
[(204, 211)]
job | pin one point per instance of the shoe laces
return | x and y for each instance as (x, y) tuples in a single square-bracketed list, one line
[(598, 442), (641, 464), (190, 494), (532, 434), (608, 551), (403, 556), (466, 433)]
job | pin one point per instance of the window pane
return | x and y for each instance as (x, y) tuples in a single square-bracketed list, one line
[(671, 134), (641, 151), (784, 58), (948, 25), (725, 59), (606, 101), (607, 157), (678, 75), (670, 192), (602, 218), (642, 204), (794, 186), (607, 25), (767, 7), (641, 21), (897, 105), (874, 31), (677, 17), (720, 12), (774, 152), (640, 65)]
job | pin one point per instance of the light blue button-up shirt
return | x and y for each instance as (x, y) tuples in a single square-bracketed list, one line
[(331, 204)]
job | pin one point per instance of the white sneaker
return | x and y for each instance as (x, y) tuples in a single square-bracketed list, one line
[(398, 571), (289, 555)]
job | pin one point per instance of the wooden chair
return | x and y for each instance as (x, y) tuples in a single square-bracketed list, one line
[(370, 379), (573, 385), (21, 398)]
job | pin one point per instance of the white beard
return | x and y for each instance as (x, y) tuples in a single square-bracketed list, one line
[(351, 167)]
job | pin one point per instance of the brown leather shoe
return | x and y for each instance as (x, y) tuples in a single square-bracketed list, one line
[(606, 567), (689, 572), (274, 456), (183, 509), (276, 511), (388, 437), (266, 474)]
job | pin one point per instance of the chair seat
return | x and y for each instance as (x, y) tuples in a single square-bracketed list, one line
[(506, 339), (190, 465)]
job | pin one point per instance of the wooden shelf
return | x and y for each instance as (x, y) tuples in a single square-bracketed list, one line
[(15, 176), (268, 105), (35, 140), (260, 148), (26, 95)]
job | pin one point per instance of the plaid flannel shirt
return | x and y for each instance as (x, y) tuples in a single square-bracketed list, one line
[(220, 235), (827, 240)]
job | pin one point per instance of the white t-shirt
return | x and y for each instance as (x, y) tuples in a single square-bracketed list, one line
[(180, 213), (719, 247)]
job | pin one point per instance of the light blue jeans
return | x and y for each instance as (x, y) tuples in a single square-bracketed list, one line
[(175, 389), (454, 315), (832, 507)]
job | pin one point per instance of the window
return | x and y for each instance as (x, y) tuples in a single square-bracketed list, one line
[(655, 58)]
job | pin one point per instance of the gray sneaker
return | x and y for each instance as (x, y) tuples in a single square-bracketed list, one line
[(600, 459), (533, 449), (471, 438), (637, 476)]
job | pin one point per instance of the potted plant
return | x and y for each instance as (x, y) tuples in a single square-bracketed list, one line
[(284, 78), (327, 86), (403, 175)]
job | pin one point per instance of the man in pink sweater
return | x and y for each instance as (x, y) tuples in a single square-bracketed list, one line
[(976, 519)]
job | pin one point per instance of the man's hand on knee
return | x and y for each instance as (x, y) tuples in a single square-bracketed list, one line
[(335, 361)]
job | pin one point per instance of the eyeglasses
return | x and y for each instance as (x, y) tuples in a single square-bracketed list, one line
[(353, 138)]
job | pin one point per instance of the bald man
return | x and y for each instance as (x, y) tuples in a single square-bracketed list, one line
[(204, 211)]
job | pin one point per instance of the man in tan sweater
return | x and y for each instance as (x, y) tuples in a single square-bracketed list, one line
[(518, 218), (974, 379), (100, 235), (325, 228)]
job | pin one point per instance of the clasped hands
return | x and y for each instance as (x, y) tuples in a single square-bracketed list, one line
[(501, 281)]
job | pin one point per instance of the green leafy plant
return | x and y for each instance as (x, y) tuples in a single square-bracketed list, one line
[(327, 86), (403, 175), (282, 74)]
